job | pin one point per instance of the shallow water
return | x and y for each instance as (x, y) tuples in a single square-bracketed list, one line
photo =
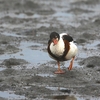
[(46, 75), (1, 68), (89, 49), (11, 96), (12, 34), (31, 55)]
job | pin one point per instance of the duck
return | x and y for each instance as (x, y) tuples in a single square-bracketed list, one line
[(61, 47)]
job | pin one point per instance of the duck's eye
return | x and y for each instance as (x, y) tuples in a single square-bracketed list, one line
[(56, 38)]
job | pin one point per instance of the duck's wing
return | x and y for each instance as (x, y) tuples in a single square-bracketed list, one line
[(67, 37)]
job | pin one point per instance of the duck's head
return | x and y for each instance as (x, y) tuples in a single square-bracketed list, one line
[(54, 37)]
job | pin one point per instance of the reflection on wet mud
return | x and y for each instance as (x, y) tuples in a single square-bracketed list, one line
[(63, 97)]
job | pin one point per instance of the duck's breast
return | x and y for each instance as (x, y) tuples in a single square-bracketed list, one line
[(58, 49)]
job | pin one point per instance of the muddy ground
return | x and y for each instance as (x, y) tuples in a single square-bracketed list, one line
[(26, 70)]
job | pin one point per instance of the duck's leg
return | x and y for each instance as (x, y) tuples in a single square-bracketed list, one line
[(59, 71), (71, 64)]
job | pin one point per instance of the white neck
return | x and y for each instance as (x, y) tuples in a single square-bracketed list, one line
[(59, 48)]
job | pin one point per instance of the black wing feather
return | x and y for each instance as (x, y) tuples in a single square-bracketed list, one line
[(68, 38)]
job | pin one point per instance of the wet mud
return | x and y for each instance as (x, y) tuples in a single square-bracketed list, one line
[(27, 71)]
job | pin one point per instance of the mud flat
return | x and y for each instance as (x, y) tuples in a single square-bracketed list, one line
[(26, 70)]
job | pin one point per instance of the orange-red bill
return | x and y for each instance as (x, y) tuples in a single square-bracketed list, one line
[(55, 41)]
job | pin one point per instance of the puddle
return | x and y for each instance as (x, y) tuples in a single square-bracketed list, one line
[(56, 88), (11, 96), (61, 16), (93, 44), (21, 15), (12, 34), (46, 75), (34, 57), (1, 69), (90, 49)]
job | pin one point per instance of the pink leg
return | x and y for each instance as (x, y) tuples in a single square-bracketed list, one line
[(71, 64), (59, 71)]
